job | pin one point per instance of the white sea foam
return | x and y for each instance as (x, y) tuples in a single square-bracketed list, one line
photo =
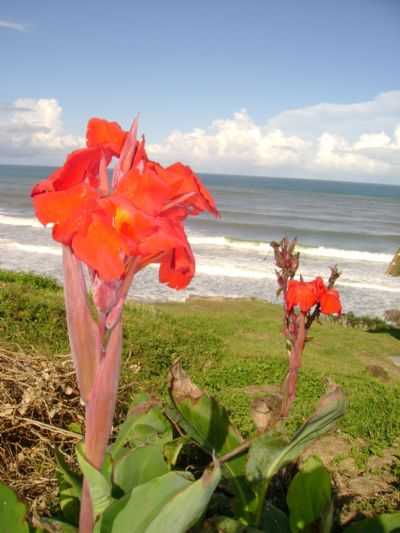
[(19, 221), (352, 255), (30, 248), (368, 286), (229, 271), (265, 249)]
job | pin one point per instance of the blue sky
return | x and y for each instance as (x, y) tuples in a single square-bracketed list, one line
[(208, 69)]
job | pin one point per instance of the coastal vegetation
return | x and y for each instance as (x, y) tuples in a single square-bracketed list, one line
[(209, 422), (232, 349)]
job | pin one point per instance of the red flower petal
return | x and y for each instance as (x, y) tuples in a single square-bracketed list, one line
[(79, 165), (302, 294), (102, 133), (133, 225), (183, 180), (68, 210), (166, 237), (147, 192), (330, 302), (57, 207), (178, 267), (101, 248)]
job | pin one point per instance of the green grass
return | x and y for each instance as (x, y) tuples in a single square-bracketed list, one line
[(226, 346)]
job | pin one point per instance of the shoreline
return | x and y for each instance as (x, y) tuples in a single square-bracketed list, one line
[(348, 319)]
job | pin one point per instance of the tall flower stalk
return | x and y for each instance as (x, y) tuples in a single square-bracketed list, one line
[(110, 228), (303, 302)]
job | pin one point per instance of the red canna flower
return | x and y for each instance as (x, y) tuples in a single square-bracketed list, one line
[(330, 302), (304, 294), (140, 218), (116, 227)]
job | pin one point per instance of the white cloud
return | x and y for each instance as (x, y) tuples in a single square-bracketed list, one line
[(12, 25), (33, 129), (340, 141), (334, 141)]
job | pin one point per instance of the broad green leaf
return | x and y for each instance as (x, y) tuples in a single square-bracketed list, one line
[(270, 452), (141, 507), (183, 510), (225, 524), (138, 466), (75, 427), (105, 521), (144, 424), (12, 512), (70, 488), (99, 486), (69, 476), (173, 448), (385, 523), (207, 423), (61, 526), (171, 503), (309, 495), (274, 520), (208, 419)]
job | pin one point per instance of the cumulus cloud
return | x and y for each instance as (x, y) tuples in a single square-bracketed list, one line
[(33, 129), (341, 141), (8, 24)]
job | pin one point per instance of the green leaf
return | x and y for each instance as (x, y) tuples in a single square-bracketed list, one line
[(173, 448), (207, 423), (135, 511), (270, 452), (225, 524), (385, 523), (144, 424), (70, 488), (171, 503), (309, 495), (61, 526), (75, 427), (183, 510), (138, 466), (72, 479), (209, 420), (99, 486), (274, 520), (12, 512)]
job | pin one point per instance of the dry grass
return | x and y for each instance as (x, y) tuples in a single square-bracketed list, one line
[(39, 401)]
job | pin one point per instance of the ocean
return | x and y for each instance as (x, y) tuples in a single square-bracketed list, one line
[(353, 225)]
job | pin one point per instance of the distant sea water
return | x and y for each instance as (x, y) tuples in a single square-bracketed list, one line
[(353, 225)]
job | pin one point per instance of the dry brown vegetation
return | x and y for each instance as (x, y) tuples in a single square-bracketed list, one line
[(39, 401)]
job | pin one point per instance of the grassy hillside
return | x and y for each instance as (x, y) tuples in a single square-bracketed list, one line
[(234, 349), (227, 346)]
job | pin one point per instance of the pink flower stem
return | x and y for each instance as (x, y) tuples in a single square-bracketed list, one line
[(99, 415), (290, 384)]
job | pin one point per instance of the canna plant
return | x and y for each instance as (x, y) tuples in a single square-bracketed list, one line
[(111, 228), (184, 466), (303, 302)]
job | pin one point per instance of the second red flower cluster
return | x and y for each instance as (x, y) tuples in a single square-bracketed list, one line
[(307, 294)]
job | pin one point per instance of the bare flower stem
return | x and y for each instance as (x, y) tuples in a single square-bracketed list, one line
[(290, 383)]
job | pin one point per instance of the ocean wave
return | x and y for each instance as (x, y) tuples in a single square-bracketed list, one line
[(19, 221), (355, 255), (367, 286), (230, 271), (30, 248), (264, 248)]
